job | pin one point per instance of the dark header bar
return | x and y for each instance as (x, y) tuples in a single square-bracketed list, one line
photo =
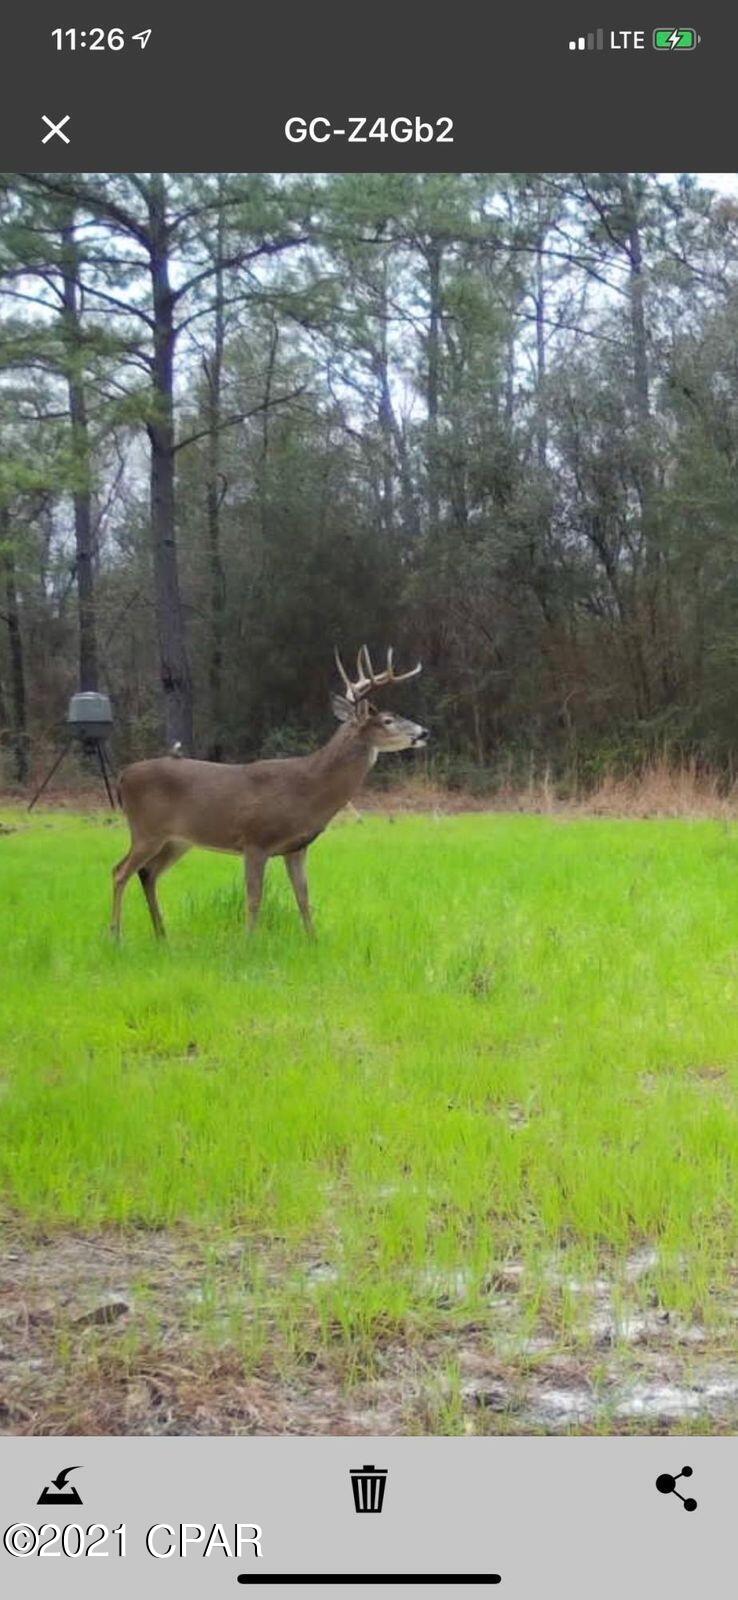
[(379, 88)]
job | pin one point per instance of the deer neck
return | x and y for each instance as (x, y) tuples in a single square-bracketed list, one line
[(340, 767)]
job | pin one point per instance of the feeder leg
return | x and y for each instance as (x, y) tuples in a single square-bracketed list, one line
[(48, 778), (104, 771)]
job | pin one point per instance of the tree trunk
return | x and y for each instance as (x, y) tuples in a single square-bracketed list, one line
[(658, 625), (540, 305), (264, 467), (410, 508), (511, 355), (19, 736), (176, 679), (82, 498), (384, 410), (641, 387), (433, 255), (213, 495)]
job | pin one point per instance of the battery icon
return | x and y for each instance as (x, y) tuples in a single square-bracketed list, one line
[(675, 38)]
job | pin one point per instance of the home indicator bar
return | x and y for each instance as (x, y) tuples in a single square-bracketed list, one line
[(370, 1577)]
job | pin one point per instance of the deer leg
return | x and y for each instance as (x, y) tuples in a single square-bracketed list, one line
[(295, 864), (150, 874), (254, 862), (137, 857)]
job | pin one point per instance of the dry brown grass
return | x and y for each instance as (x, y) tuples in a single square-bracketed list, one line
[(660, 789), (664, 789)]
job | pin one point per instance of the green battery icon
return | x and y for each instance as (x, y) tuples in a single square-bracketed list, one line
[(675, 38)]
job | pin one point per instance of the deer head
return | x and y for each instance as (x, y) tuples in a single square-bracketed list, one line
[(382, 730)]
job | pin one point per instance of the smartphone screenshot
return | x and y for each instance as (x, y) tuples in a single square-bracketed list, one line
[(368, 802)]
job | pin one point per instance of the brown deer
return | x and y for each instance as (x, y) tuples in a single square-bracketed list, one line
[(263, 809)]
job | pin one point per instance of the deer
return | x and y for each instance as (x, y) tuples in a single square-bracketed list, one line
[(260, 809)]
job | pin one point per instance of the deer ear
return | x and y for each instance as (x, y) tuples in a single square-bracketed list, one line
[(342, 708)]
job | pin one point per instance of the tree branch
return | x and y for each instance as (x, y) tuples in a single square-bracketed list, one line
[(241, 416), (240, 259)]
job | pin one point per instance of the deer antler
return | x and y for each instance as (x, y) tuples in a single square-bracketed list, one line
[(346, 679), (367, 679)]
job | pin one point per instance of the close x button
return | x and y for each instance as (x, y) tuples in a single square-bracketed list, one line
[(55, 129)]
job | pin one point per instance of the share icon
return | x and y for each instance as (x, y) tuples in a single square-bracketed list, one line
[(666, 1484)]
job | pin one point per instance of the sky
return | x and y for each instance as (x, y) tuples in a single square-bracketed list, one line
[(724, 182)]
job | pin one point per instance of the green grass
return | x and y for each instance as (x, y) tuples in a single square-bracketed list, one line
[(513, 1035)]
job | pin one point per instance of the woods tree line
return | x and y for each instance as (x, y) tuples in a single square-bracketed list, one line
[(492, 418)]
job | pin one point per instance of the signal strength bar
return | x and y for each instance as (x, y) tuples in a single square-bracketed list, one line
[(590, 41)]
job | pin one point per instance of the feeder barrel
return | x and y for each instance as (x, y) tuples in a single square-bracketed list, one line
[(90, 715)]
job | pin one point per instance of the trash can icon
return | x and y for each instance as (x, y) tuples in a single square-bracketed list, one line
[(368, 1484)]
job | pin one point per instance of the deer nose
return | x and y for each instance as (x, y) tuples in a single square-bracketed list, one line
[(423, 733)]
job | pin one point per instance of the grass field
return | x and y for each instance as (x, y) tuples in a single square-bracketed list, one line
[(475, 1147)]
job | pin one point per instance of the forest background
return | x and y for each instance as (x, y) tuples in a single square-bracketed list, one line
[(491, 418)]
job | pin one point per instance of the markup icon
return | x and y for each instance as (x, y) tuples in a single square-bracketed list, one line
[(59, 1492)]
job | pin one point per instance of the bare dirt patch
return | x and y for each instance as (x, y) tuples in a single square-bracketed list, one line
[(104, 1334)]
